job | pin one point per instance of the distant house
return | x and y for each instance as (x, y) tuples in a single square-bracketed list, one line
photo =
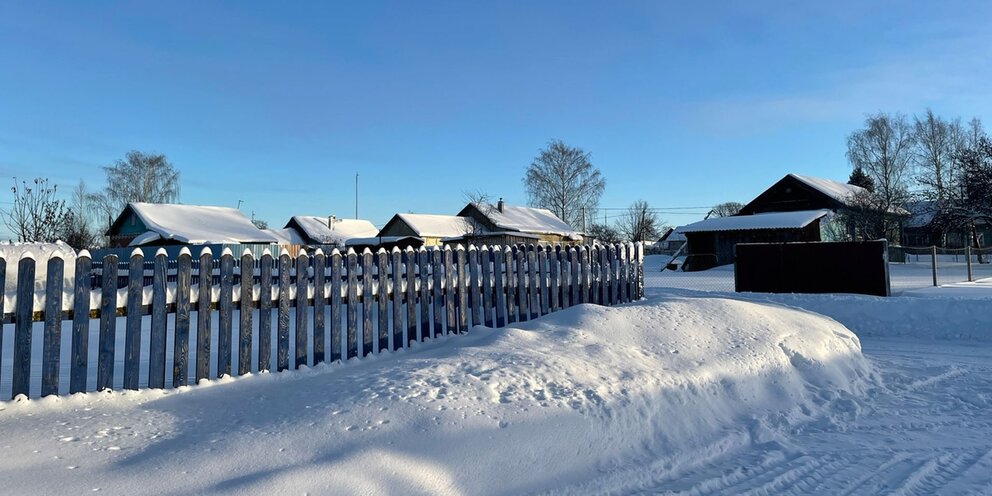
[(160, 224), (922, 228), (795, 192), (711, 242), (670, 241), (428, 229), (505, 224), (329, 231)]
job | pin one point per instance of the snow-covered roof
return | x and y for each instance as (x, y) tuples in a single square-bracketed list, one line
[(673, 236), (842, 192), (527, 219), (286, 236), (436, 226), (921, 213), (379, 240), (336, 231), (773, 220), (196, 224)]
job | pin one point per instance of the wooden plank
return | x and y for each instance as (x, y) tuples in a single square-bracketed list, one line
[(639, 267), (594, 274), (614, 275), (437, 296), (336, 345), (79, 355), (180, 353), (604, 275), (623, 273), (450, 322), (575, 280), (554, 285), (632, 272), (583, 258), (368, 333), (423, 259), (205, 283), (52, 340), (396, 285), (3, 281), (108, 324), (475, 291), (265, 311), (533, 283), (246, 282), (486, 258), (132, 325), (409, 258), (319, 306), (282, 317), (523, 301), (302, 287), (382, 299), (21, 378), (159, 322), (510, 283), (462, 289), (225, 318), (542, 276), (352, 331)]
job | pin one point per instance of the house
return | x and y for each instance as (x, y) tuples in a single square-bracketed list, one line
[(670, 241), (329, 231), (428, 229), (506, 225), (711, 242), (922, 228), (158, 224), (795, 193)]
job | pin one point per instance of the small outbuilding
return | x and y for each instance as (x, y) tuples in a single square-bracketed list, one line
[(508, 224), (430, 229), (313, 230), (711, 242), (159, 224)]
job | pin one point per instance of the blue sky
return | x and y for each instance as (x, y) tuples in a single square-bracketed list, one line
[(683, 104)]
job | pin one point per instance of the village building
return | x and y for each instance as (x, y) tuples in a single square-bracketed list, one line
[(330, 231), (427, 229), (923, 228), (504, 224)]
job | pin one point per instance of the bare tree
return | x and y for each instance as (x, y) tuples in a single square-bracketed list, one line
[(562, 179), (727, 209), (80, 232), (36, 216), (884, 151), (139, 177), (935, 145), (604, 233), (639, 222), (482, 201)]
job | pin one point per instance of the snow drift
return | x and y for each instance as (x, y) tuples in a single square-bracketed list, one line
[(570, 402)]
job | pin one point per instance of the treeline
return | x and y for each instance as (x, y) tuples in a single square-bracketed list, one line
[(936, 166)]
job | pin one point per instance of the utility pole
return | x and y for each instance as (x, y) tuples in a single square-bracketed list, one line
[(356, 196)]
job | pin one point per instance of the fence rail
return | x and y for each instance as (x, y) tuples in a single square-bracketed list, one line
[(340, 305)]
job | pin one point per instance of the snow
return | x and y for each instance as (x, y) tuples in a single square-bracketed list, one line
[(571, 402), (287, 236), (339, 232), (842, 192), (528, 220), (436, 226), (776, 220), (194, 224)]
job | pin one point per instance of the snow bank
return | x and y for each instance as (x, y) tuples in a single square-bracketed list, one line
[(568, 402)]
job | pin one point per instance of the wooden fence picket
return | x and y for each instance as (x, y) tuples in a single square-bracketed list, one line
[(132, 325), (543, 275), (3, 281), (555, 283), (225, 317), (462, 289), (108, 324), (265, 311), (302, 285), (509, 277), (423, 258), (282, 317), (450, 325), (486, 257), (336, 334), (319, 306), (382, 300), (622, 249), (52, 338), (24, 307), (475, 291), (523, 298), (533, 284), (180, 355), (604, 275), (79, 355), (409, 258), (352, 337), (396, 291), (368, 333), (157, 338), (203, 304), (245, 310)]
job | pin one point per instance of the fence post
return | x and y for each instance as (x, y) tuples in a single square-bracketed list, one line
[(159, 322), (245, 310), (933, 263), (396, 283), (411, 296), (108, 324), (180, 355), (336, 345), (352, 331), (967, 255), (319, 304), (80, 321), (52, 341), (203, 304), (132, 325), (282, 317)]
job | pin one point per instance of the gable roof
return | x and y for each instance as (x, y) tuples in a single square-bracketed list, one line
[(434, 226), (192, 224), (841, 192), (315, 229), (286, 236), (772, 220), (523, 219)]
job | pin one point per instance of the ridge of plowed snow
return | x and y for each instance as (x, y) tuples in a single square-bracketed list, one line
[(558, 402)]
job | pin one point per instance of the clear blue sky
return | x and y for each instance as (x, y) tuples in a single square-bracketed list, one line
[(280, 104)]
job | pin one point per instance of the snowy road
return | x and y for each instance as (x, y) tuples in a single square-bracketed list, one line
[(928, 430)]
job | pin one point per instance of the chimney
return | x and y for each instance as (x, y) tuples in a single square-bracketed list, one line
[(499, 205), (330, 221)]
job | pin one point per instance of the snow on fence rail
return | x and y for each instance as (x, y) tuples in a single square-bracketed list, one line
[(411, 295)]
